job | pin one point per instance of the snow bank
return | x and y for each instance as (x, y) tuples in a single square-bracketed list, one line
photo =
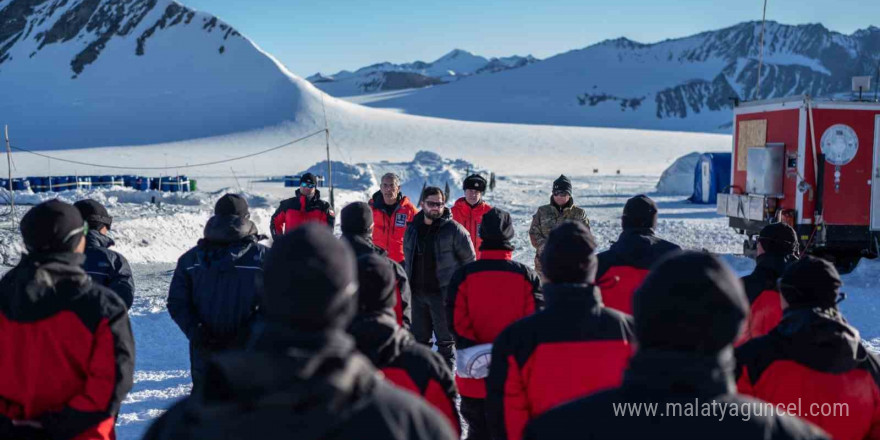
[(427, 168), (678, 179)]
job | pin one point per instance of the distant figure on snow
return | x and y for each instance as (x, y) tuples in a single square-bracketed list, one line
[(560, 209), (307, 206)]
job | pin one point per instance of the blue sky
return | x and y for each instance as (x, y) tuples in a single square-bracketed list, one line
[(329, 35)]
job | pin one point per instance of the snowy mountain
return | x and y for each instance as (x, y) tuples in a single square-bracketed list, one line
[(680, 84), (115, 72), (386, 76)]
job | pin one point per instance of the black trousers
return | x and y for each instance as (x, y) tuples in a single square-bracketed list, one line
[(429, 319), (474, 413)]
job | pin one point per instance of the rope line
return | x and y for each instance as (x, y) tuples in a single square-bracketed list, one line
[(167, 167)]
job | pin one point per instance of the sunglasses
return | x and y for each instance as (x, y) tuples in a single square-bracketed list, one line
[(560, 193), (433, 204), (307, 185)]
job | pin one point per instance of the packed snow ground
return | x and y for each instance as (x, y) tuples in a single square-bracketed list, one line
[(154, 235)]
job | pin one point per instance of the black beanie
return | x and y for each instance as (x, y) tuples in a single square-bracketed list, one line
[(232, 204), (376, 284), (562, 184), (810, 282), (779, 238), (475, 181), (569, 254), (690, 301), (639, 212), (310, 280), (496, 230), (356, 218), (51, 227), (308, 178), (94, 213)]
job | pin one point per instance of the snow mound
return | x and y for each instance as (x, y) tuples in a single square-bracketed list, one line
[(357, 177), (426, 169), (678, 179)]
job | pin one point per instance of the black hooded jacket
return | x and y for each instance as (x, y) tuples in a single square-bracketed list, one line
[(364, 246), (662, 386), (107, 267), (765, 301), (404, 362), (216, 287), (307, 386), (815, 347)]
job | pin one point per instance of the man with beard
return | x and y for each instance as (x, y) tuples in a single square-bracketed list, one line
[(216, 288), (435, 248)]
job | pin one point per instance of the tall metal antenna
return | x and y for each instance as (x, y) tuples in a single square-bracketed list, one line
[(761, 53), (329, 164)]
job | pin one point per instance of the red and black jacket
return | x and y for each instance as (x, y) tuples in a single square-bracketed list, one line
[(298, 210), (67, 349), (405, 363), (402, 310), (470, 217), (574, 347), (624, 266), (670, 381), (765, 302), (814, 357), (389, 224), (484, 297)]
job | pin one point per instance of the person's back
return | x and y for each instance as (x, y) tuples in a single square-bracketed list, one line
[(777, 248), (814, 359), (624, 266), (680, 382), (302, 377), (106, 266), (68, 350), (393, 350), (357, 224), (216, 287), (575, 346)]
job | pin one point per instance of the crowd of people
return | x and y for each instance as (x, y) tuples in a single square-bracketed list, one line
[(418, 324)]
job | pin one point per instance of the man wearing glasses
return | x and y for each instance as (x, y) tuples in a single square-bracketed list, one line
[(306, 207), (435, 247), (560, 209)]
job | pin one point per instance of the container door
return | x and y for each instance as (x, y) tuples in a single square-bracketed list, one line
[(875, 180), (706, 179)]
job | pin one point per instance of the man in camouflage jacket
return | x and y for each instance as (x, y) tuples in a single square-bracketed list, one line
[(560, 209)]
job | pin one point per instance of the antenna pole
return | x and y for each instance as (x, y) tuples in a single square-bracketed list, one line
[(9, 169), (761, 53), (329, 164)]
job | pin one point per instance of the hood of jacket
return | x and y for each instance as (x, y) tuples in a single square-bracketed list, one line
[(568, 296), (378, 337), (363, 245), (681, 374), (305, 371), (820, 338), (95, 239), (39, 277), (223, 230)]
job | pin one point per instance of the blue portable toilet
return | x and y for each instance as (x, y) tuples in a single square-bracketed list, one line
[(711, 176)]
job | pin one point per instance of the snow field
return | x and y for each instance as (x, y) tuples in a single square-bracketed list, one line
[(153, 237)]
